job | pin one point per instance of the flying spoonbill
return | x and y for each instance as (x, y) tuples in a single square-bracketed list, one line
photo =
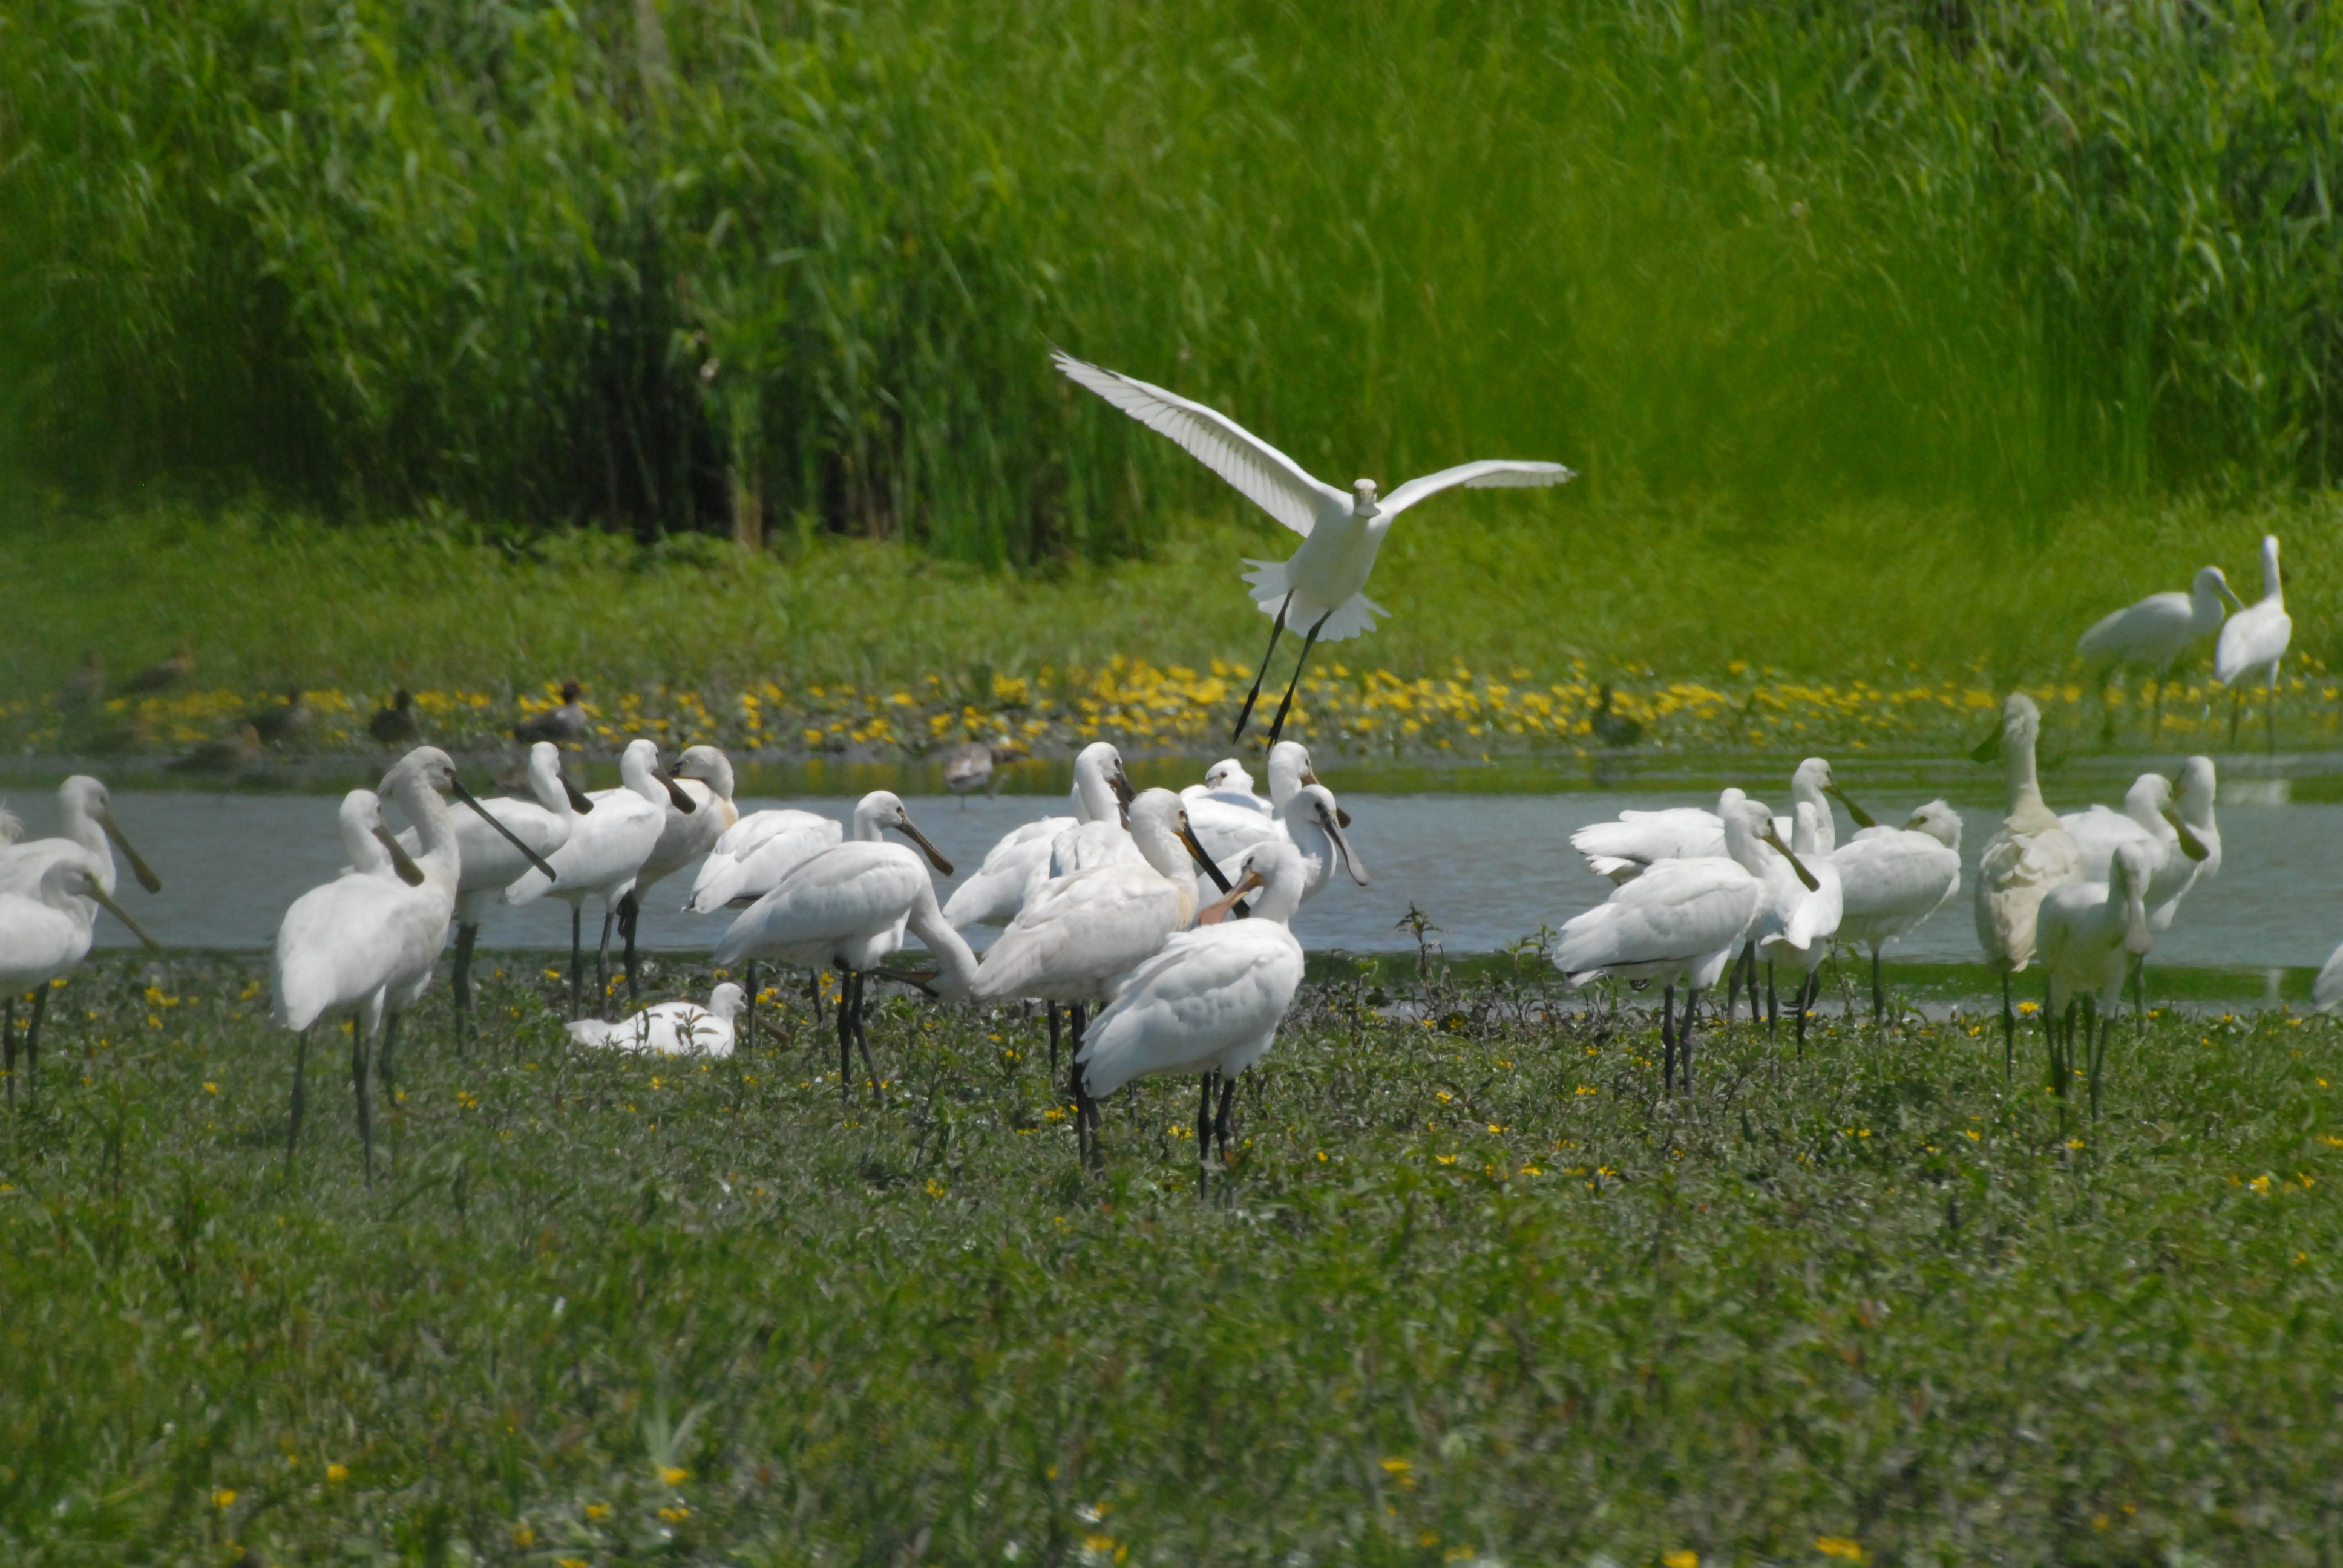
[(2254, 638), (1321, 585), (1208, 1001)]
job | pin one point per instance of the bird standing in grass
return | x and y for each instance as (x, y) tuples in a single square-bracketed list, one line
[(2028, 855), (994, 893), (2255, 637), (284, 721), (703, 776), (1891, 879), (2088, 934), (45, 934), (1321, 587), (89, 830), (1209, 1002), (2154, 632)]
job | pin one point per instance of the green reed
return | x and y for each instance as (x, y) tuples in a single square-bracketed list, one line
[(797, 264)]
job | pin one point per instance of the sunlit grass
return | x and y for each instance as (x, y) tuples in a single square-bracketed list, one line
[(1474, 1290)]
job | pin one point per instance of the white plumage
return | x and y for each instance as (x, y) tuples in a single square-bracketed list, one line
[(45, 935), (2149, 820), (1891, 879), (90, 835), (670, 1028), (2028, 855), (1321, 587), (2255, 637), (752, 855), (1311, 821), (1229, 818), (604, 854), (1620, 850), (2156, 630), (1805, 919), (2088, 934), (1022, 858), (703, 776)]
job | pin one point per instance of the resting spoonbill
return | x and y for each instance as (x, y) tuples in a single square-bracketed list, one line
[(45, 934), (1227, 782), (1806, 910), (1679, 922), (846, 908), (2255, 637), (603, 854), (703, 777), (2029, 854), (494, 846), (1208, 1001), (670, 1028), (2088, 933), (88, 830), (1077, 935), (1891, 879), (2155, 631), (1622, 849), (1322, 586), (992, 896)]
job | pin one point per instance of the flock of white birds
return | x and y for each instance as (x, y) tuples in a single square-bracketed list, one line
[(1103, 912)]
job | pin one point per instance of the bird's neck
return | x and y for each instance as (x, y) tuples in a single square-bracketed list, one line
[(956, 961)]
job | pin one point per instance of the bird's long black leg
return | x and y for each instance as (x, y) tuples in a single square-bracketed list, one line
[(2235, 701), (2008, 1029), (2095, 1048), (845, 1036), (1221, 1131), (8, 1056), (862, 1036), (1805, 997), (602, 963), (1078, 1019), (1732, 991), (465, 937), (1277, 724), (577, 962), (1878, 996), (358, 1088), (1052, 1009), (300, 1098), (2140, 991), (2270, 716), (33, 1043), (630, 911), (1668, 1035), (383, 1068), (1684, 1041), (748, 1033), (1275, 630), (1203, 1134), (1772, 1003)]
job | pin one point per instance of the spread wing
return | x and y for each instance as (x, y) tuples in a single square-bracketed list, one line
[(1488, 474), (1261, 473)]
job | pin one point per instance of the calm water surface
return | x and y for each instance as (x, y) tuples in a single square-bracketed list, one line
[(1488, 869)]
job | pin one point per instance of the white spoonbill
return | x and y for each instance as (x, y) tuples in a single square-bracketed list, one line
[(2158, 630), (1806, 902), (2193, 798), (2028, 855), (1891, 879), (2255, 637), (494, 845), (1322, 586), (2181, 852), (344, 947), (992, 896), (1679, 922), (846, 908), (703, 777), (1620, 850), (604, 854), (1208, 1001), (1233, 819), (1227, 782), (43, 937), (88, 831), (670, 1028), (2088, 933), (752, 855), (1078, 934), (1312, 822)]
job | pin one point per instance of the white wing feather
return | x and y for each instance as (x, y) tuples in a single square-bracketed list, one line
[(1488, 474)]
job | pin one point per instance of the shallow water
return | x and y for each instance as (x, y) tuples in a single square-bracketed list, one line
[(1488, 870)]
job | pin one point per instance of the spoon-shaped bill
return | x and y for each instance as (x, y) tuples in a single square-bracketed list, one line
[(1196, 853), (1334, 822), (138, 866), (683, 802), (1862, 818), (1774, 839), (105, 902), (2190, 844), (1213, 913), (400, 860), (935, 856), (579, 801), (456, 788)]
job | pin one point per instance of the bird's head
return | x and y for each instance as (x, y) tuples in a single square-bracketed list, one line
[(1363, 504)]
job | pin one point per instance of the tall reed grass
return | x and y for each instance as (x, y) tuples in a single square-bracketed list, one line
[(674, 263)]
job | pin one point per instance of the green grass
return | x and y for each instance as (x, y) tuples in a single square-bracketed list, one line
[(1637, 595), (1474, 1291), (638, 262)]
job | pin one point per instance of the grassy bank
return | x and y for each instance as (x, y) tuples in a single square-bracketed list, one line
[(1473, 1291), (1855, 626), (657, 264)]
